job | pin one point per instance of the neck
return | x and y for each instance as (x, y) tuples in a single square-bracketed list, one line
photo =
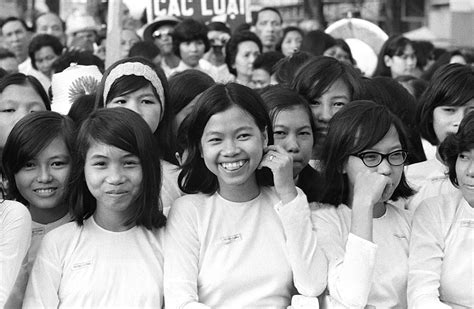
[(171, 60), (240, 193), (268, 48), (46, 216), (379, 210), (111, 221), (243, 79), (215, 60)]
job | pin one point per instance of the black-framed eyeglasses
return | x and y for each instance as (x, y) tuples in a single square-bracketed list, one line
[(373, 158), (159, 34)]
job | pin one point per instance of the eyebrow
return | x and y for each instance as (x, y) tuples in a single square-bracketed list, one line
[(236, 130)]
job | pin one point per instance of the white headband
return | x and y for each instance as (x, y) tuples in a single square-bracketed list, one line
[(138, 69)]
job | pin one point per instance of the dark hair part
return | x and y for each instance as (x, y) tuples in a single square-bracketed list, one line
[(316, 42), (195, 176), (79, 57), (268, 8), (189, 30), (81, 108), (21, 79), (452, 85), (394, 46), (285, 32), (130, 83), (31, 135), (286, 68), (43, 40), (5, 53), (279, 98), (232, 47), (319, 73), (267, 61), (455, 144), (126, 130), (145, 49), (356, 127)]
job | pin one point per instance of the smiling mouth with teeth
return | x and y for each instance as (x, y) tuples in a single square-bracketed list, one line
[(232, 166), (46, 190)]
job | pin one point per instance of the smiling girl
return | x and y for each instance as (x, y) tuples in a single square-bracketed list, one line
[(37, 163), (234, 241), (111, 256), (363, 234)]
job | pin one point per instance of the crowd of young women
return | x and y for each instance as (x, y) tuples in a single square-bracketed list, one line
[(186, 193)]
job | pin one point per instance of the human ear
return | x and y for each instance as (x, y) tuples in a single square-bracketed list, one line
[(387, 60), (265, 137)]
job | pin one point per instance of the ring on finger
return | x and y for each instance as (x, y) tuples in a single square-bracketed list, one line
[(271, 157)]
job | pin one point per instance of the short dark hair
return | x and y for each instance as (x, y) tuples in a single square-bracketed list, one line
[(319, 73), (286, 68), (43, 40), (14, 18), (267, 61), (81, 108), (356, 127), (232, 47), (28, 81), (452, 85), (268, 8), (394, 46), (31, 135), (387, 91), (195, 176), (279, 97), (144, 49), (218, 26), (454, 144), (3, 73), (130, 83), (189, 30), (126, 130)]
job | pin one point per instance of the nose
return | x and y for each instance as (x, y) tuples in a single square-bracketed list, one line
[(292, 144), (230, 148), (458, 116), (115, 175), (252, 58), (193, 46), (134, 105), (384, 168), (44, 175), (325, 113)]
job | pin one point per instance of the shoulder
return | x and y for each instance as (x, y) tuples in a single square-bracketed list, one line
[(325, 212), (440, 207), (13, 211), (417, 174), (400, 213), (63, 234)]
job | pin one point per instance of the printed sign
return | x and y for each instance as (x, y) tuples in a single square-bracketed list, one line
[(232, 12)]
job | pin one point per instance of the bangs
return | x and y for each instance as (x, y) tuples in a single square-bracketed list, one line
[(127, 84), (30, 148)]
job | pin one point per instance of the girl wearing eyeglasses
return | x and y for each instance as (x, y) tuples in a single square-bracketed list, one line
[(364, 236)]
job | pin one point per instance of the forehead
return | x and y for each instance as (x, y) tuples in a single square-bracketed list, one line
[(247, 46), (106, 150), (228, 120), (48, 19), (293, 34), (165, 27), (12, 26), (28, 95), (295, 115), (268, 15), (129, 34)]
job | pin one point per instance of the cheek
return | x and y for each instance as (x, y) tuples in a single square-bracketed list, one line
[(23, 180), (152, 116)]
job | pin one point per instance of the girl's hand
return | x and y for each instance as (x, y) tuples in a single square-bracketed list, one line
[(368, 189), (280, 162)]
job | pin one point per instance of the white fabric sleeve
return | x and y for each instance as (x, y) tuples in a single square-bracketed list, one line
[(15, 238), (307, 260), (425, 260), (43, 284), (181, 258), (350, 279)]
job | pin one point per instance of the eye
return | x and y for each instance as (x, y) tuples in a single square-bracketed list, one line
[(338, 104), (243, 136), (370, 157), (315, 103), (131, 163), (306, 133), (448, 109), (279, 133), (463, 156), (99, 164), (8, 110), (29, 165), (118, 101), (59, 164), (145, 101)]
